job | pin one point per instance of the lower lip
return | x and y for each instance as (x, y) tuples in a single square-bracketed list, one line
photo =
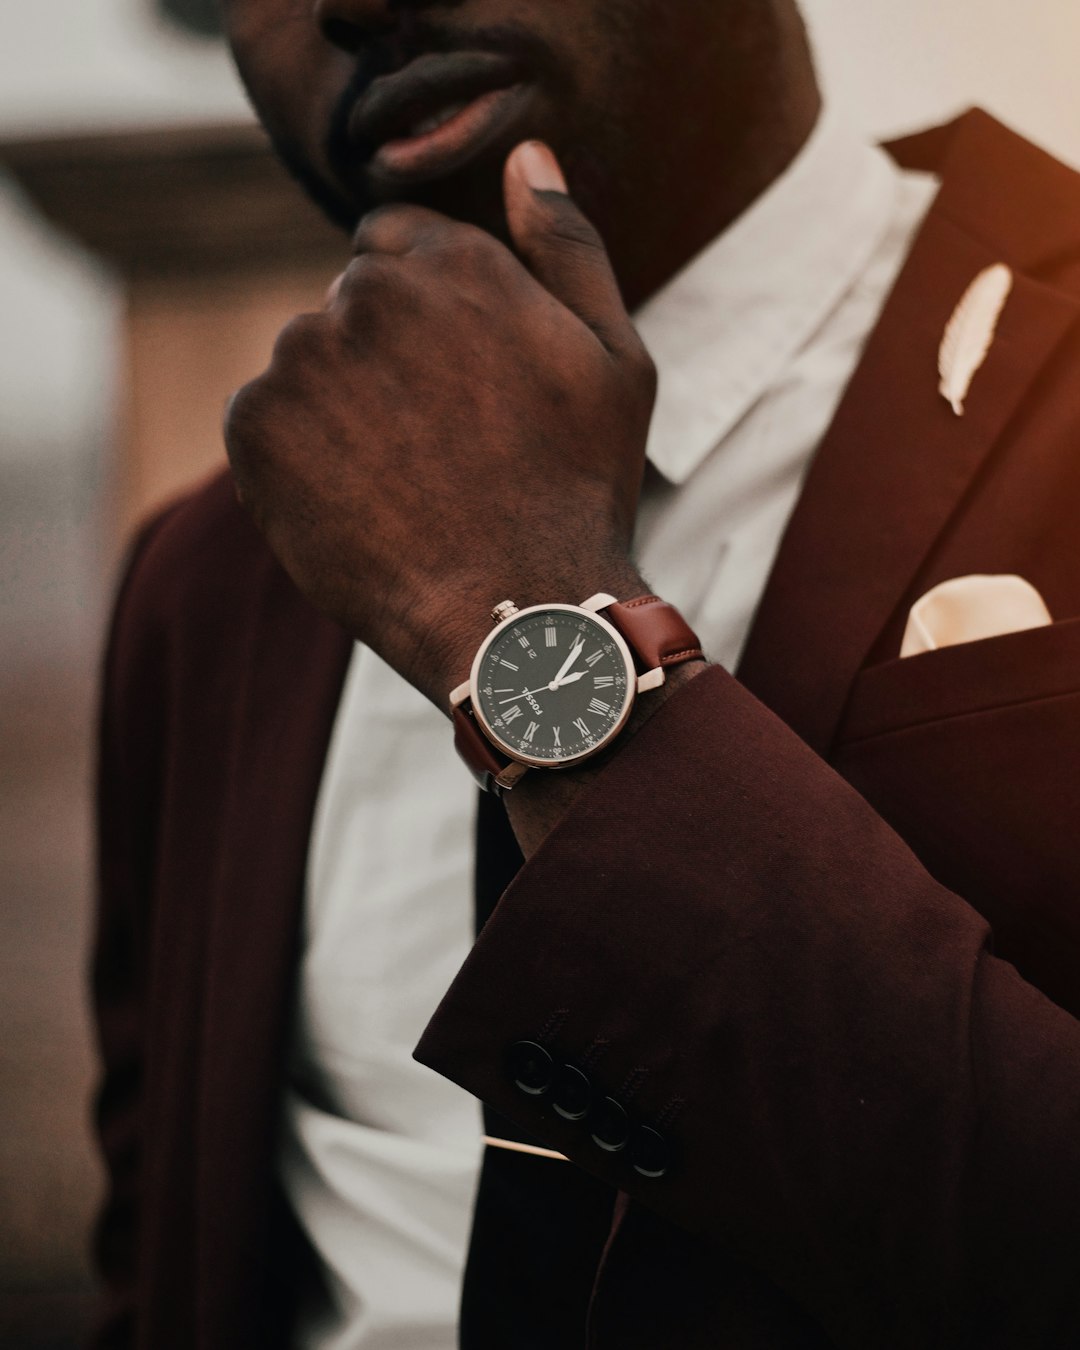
[(484, 122)]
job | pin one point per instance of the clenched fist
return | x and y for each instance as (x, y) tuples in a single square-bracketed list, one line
[(459, 426)]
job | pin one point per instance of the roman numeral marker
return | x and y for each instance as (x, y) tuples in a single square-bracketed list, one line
[(524, 641), (601, 709), (551, 637), (582, 727), (530, 732), (508, 664), (512, 714), (603, 681), (504, 691), (557, 731), (592, 660)]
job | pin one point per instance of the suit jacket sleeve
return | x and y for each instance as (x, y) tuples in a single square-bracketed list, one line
[(861, 1100), (128, 779)]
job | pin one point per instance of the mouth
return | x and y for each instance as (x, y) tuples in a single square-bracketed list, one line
[(437, 114)]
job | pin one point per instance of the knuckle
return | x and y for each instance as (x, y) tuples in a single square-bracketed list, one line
[(400, 228), (243, 414), (384, 228), (377, 215), (374, 290), (365, 274), (300, 340)]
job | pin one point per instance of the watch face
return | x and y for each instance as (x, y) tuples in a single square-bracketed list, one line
[(552, 685)]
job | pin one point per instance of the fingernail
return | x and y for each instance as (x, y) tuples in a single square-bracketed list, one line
[(539, 167), (332, 290)]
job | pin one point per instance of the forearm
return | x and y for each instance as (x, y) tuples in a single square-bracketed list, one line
[(858, 1096), (541, 799)]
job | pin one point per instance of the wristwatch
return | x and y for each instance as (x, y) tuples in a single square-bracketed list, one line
[(554, 685)]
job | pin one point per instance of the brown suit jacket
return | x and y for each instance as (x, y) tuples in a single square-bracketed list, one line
[(818, 929)]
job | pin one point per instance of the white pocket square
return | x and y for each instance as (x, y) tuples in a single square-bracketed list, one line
[(967, 609)]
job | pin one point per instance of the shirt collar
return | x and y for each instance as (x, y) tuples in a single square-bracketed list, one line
[(724, 328)]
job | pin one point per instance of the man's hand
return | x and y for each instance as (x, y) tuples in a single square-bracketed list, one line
[(458, 426)]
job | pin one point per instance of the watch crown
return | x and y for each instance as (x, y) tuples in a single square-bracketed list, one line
[(505, 611)]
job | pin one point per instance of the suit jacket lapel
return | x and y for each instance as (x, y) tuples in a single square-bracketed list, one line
[(897, 461), (288, 688)]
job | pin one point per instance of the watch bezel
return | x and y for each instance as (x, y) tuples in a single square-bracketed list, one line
[(569, 760)]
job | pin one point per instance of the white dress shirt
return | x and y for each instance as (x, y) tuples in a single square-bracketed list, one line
[(754, 341)]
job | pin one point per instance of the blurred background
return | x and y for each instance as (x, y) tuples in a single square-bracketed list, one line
[(149, 252)]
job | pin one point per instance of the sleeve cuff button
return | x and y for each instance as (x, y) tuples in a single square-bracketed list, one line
[(650, 1154), (571, 1093), (610, 1126), (530, 1067)]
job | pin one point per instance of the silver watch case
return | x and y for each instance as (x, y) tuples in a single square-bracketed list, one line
[(505, 616)]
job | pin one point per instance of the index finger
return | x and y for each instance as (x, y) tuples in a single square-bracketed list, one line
[(401, 227)]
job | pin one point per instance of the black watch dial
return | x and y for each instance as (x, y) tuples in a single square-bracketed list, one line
[(553, 686)]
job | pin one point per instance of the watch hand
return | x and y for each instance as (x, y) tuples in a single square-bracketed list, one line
[(575, 652), (569, 679)]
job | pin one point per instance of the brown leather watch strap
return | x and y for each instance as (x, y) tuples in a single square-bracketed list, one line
[(655, 631), (484, 762)]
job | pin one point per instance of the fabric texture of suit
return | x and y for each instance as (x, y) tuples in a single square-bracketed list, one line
[(817, 926)]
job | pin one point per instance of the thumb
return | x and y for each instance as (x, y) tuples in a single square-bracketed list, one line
[(559, 246)]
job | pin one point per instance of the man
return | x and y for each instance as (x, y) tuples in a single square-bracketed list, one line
[(744, 981)]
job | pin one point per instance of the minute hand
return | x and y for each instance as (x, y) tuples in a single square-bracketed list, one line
[(575, 652)]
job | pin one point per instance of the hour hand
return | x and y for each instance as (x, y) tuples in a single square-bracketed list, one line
[(575, 652)]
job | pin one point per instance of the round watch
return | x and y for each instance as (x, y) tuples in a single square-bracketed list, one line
[(554, 684)]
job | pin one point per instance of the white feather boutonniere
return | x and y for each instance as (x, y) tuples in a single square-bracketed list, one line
[(970, 333)]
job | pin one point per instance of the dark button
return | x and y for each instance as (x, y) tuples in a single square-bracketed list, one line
[(650, 1153), (610, 1125), (571, 1093), (531, 1068)]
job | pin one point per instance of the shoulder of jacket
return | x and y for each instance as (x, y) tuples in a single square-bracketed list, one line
[(1000, 187), (199, 555)]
